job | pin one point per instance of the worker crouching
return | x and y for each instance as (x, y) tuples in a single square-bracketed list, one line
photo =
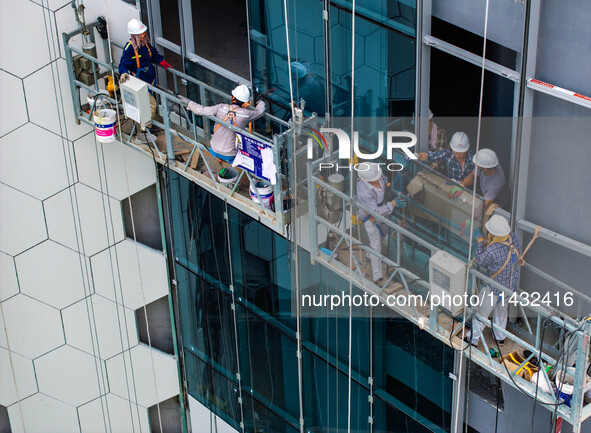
[(372, 193)]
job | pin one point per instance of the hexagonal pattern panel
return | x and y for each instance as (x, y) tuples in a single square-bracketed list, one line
[(149, 390), (12, 103), (24, 215), (23, 21), (153, 272), (96, 318), (41, 100), (33, 327), (39, 171), (82, 208), (24, 374), (52, 274), (43, 414), (8, 280), (123, 416), (69, 375), (122, 163)]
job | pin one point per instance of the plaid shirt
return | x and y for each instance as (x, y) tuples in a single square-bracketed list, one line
[(454, 169), (494, 256)]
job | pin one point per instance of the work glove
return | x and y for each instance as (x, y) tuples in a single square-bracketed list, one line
[(478, 235), (399, 203), (165, 64), (183, 99), (454, 192), (408, 158), (123, 78)]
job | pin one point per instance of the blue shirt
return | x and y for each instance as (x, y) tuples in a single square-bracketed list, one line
[(454, 169), (494, 256), (148, 55)]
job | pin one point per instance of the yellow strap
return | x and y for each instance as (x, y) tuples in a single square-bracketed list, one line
[(524, 365)]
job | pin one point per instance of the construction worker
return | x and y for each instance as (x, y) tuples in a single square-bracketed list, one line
[(437, 142), (371, 192), (139, 56), (491, 178), (500, 255), (458, 159), (237, 113)]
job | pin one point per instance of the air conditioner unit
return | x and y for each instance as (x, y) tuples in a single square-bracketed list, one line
[(136, 100), (447, 277)]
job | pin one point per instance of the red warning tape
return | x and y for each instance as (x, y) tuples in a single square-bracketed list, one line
[(559, 89)]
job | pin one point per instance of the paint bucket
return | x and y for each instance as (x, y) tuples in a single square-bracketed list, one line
[(105, 125), (228, 177), (564, 390), (265, 192), (92, 95)]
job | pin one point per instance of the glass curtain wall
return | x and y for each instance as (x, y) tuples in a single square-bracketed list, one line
[(238, 334), (384, 55)]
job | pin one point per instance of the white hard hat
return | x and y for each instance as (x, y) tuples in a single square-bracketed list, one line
[(242, 93), (486, 158), (298, 70), (459, 142), (369, 171), (136, 27), (430, 114), (498, 226)]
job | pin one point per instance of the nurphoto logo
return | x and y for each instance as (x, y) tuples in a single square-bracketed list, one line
[(393, 141)]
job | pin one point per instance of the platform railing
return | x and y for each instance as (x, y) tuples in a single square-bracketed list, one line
[(178, 122)]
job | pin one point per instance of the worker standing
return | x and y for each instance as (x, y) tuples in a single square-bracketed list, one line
[(491, 178), (458, 159), (499, 255), (371, 192), (139, 56), (437, 142), (237, 113)]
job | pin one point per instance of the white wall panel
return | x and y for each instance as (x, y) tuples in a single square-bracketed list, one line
[(203, 420), (53, 274), (154, 386), (114, 414), (33, 327), (8, 280), (43, 414), (135, 292), (32, 161), (24, 374), (12, 103), (41, 98), (99, 320)]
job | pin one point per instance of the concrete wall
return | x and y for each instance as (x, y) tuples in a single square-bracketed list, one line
[(70, 357)]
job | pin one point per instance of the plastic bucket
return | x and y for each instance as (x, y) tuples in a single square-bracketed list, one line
[(105, 125), (265, 192), (564, 390), (227, 176)]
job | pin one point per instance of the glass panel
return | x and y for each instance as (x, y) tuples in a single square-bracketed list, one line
[(223, 42), (269, 53), (207, 323), (268, 363), (389, 418), (260, 419), (261, 266), (414, 369), (199, 230), (384, 64), (326, 398), (169, 14), (213, 390)]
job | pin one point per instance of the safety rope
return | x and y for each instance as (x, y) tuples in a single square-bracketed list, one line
[(349, 375), (101, 376), (472, 212), (295, 231), (146, 320)]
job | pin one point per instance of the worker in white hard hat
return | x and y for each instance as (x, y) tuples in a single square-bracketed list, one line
[(500, 256), (371, 192), (458, 159), (491, 178), (139, 57), (238, 113), (308, 86)]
